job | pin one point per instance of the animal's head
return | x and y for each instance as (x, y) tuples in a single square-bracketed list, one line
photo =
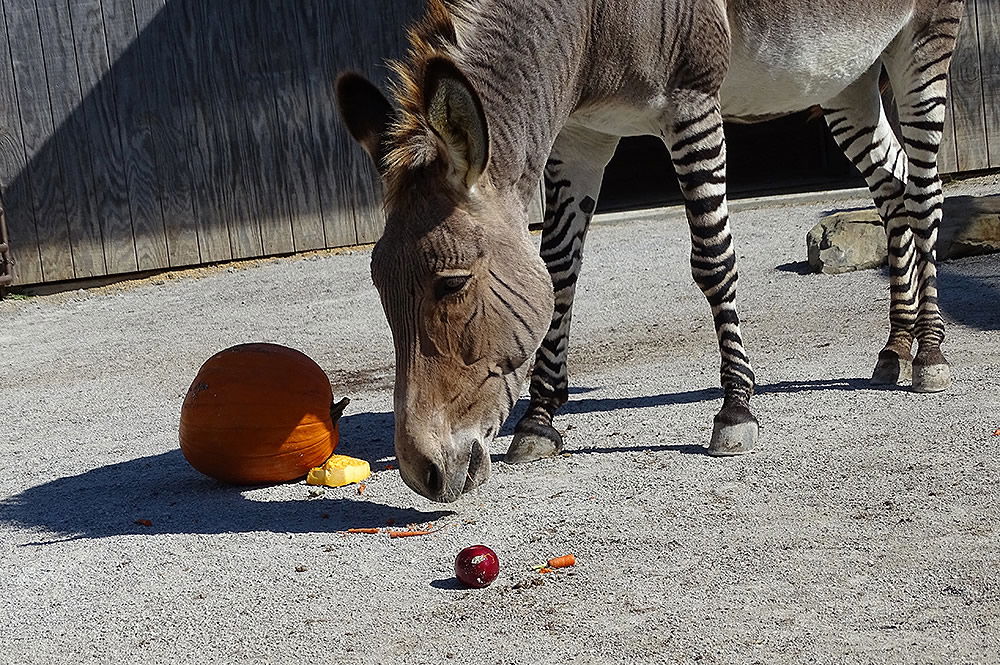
[(465, 293)]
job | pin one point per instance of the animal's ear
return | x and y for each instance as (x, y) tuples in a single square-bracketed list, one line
[(366, 112), (455, 113)]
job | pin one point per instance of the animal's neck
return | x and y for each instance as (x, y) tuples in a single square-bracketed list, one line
[(524, 62)]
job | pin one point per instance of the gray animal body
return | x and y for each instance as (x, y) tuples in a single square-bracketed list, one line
[(495, 94)]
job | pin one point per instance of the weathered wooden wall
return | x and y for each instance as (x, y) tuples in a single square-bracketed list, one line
[(972, 127), (145, 134)]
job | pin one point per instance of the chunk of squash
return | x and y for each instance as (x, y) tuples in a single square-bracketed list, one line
[(339, 470)]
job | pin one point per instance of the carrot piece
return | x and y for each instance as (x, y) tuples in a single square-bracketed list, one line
[(996, 433), (544, 570), (562, 561), (407, 534), (362, 531), (361, 488), (144, 522)]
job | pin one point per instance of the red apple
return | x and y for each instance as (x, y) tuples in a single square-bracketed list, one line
[(477, 566)]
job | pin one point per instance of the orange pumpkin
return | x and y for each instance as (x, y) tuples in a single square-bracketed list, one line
[(258, 413)]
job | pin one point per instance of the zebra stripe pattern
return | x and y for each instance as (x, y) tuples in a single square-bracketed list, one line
[(698, 150), (902, 176), (697, 146), (573, 175), (492, 89)]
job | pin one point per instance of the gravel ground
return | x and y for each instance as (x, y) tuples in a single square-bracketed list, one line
[(864, 530)]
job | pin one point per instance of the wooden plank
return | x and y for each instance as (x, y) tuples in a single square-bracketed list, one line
[(298, 167), (988, 19), (362, 40), (222, 63), (213, 213), (319, 33), (536, 206), (101, 119), (70, 140), (967, 96), (382, 36), (14, 185), (132, 98), (255, 22), (373, 37), (46, 184), (170, 121), (947, 153)]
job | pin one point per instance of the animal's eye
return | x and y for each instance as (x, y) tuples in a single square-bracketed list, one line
[(450, 285)]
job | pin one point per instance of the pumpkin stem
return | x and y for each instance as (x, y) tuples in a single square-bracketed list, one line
[(337, 409)]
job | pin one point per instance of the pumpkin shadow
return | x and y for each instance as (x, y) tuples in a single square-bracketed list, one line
[(175, 498)]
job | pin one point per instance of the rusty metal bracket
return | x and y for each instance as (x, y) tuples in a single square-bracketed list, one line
[(6, 262)]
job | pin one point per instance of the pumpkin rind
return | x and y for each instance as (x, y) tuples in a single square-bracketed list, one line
[(257, 414)]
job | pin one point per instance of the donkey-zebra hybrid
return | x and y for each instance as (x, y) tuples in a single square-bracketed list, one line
[(495, 93)]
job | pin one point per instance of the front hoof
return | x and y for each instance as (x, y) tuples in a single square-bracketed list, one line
[(533, 441), (931, 378), (931, 373), (730, 440), (734, 432), (890, 369)]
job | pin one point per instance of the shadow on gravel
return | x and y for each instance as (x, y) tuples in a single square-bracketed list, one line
[(972, 300), (795, 267), (596, 405), (175, 498), (600, 405), (593, 405), (367, 435)]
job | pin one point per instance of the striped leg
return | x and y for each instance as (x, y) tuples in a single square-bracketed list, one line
[(858, 123), (572, 182), (919, 69), (698, 151)]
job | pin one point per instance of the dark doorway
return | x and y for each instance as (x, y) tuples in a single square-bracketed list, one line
[(790, 154)]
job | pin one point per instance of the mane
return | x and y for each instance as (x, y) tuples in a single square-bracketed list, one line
[(436, 34)]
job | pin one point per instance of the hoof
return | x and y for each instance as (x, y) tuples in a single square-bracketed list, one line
[(931, 378), (533, 441), (890, 370), (734, 432), (733, 439)]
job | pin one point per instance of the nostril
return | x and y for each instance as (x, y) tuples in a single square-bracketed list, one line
[(434, 481), (479, 467), (476, 455)]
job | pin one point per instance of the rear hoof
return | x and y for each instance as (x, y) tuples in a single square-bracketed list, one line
[(735, 430), (931, 378), (890, 369), (533, 441)]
